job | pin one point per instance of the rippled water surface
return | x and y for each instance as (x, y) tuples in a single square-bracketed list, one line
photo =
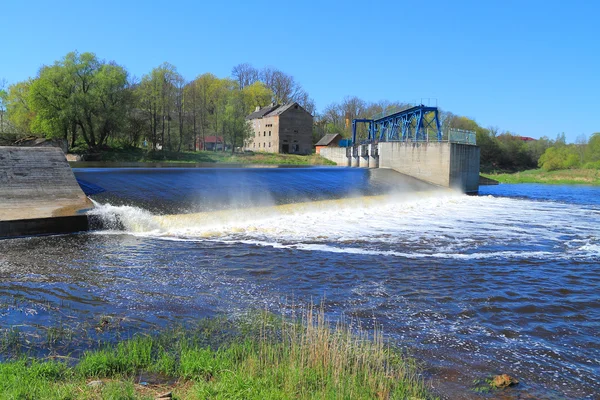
[(507, 281)]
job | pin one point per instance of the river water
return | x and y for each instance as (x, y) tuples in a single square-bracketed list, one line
[(504, 282)]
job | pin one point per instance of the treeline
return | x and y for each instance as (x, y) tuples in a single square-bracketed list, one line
[(92, 103), (585, 153)]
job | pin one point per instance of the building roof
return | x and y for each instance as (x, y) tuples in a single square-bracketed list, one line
[(272, 110), (328, 139), (263, 111)]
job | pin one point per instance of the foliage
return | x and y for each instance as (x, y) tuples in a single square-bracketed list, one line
[(584, 154), (18, 110), (94, 103), (559, 177), (261, 356), (79, 94)]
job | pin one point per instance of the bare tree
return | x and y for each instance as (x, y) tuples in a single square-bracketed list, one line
[(245, 74)]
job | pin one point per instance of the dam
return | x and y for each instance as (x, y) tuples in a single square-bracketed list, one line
[(466, 284), (411, 141), (39, 193)]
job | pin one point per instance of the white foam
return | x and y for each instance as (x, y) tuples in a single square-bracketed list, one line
[(430, 225)]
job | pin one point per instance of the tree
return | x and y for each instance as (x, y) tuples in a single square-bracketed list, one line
[(157, 98), (245, 75), (559, 156), (235, 127), (79, 94), (592, 152), (18, 110), (3, 97), (256, 95)]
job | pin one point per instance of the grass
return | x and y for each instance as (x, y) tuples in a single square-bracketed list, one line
[(560, 177), (259, 357), (140, 155)]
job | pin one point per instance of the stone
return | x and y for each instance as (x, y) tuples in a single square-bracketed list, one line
[(95, 383), (503, 381)]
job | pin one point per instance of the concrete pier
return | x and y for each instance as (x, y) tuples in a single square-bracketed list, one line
[(373, 156), (39, 193)]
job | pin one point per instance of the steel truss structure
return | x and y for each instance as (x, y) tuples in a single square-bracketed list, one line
[(410, 124)]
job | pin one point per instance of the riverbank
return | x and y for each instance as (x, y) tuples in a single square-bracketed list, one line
[(252, 358), (140, 155), (560, 177)]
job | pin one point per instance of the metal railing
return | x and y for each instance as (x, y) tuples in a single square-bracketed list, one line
[(462, 136)]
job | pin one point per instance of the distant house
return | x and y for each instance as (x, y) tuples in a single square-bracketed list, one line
[(210, 143), (526, 138), (280, 129), (329, 140)]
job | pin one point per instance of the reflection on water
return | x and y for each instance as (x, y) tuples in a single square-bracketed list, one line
[(472, 285)]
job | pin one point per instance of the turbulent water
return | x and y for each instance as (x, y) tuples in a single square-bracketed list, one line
[(503, 282)]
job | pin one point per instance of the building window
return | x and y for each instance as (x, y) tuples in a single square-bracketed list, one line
[(269, 144), (265, 133), (269, 133)]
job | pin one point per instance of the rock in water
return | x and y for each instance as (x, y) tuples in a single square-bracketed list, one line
[(503, 381)]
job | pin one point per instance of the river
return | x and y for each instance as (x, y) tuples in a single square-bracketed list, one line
[(504, 282)]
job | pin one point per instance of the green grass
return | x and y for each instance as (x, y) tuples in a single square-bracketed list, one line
[(259, 357), (560, 177), (140, 155)]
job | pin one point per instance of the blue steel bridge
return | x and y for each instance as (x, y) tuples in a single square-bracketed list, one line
[(409, 124)]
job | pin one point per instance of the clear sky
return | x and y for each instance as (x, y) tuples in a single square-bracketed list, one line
[(530, 67)]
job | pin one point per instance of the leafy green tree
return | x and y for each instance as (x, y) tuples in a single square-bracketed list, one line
[(18, 110), (235, 127), (592, 151), (79, 94), (559, 156), (157, 99), (255, 95)]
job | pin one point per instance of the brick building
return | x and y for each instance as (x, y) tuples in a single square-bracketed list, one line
[(280, 129)]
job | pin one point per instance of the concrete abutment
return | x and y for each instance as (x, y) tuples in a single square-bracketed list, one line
[(39, 193)]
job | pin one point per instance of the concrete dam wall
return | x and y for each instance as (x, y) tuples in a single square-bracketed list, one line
[(445, 164), (39, 193)]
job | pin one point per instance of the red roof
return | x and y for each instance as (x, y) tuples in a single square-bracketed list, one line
[(213, 139), (526, 138)]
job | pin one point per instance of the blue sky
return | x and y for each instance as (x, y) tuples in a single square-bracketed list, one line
[(529, 67)]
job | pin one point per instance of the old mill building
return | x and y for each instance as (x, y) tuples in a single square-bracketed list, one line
[(280, 129)]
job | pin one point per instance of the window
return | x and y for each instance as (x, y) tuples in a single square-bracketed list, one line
[(269, 144), (269, 133), (265, 133)]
